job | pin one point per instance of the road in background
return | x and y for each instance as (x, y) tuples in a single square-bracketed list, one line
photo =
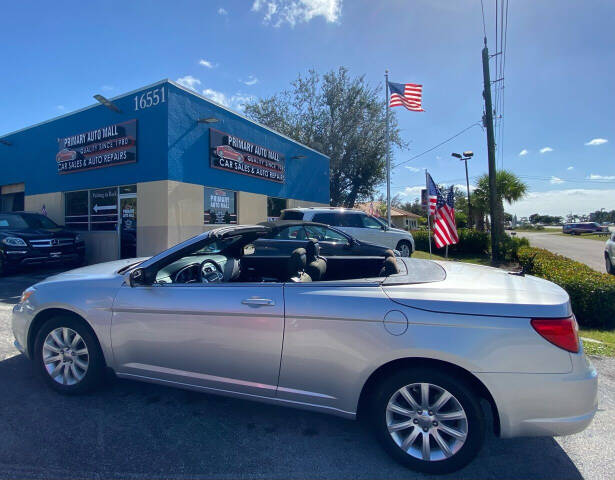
[(584, 250), (137, 430)]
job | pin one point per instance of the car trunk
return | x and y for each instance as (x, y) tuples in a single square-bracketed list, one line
[(478, 290)]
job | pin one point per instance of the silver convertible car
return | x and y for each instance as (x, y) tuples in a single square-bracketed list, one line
[(418, 349)]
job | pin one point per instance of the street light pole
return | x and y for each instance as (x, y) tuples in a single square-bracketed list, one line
[(465, 157)]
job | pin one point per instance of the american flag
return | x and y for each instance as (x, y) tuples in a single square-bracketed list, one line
[(407, 95), (444, 229), (432, 193)]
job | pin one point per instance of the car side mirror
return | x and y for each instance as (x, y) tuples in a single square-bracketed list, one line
[(136, 277), (385, 228)]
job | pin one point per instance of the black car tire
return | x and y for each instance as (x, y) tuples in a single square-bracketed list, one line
[(609, 264), (404, 243), (96, 363), (462, 393)]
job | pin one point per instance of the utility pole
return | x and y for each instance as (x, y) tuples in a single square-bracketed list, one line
[(488, 122), (388, 158)]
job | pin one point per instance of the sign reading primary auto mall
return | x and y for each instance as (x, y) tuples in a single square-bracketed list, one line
[(237, 155), (104, 147)]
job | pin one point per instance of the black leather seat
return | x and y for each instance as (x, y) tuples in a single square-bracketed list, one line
[(316, 265), (296, 266)]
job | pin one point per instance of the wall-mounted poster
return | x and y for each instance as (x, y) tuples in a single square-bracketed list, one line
[(103, 147), (220, 206), (234, 154)]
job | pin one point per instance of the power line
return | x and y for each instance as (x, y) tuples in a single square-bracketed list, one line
[(438, 145)]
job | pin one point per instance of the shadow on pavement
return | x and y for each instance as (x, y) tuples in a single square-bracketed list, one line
[(135, 430)]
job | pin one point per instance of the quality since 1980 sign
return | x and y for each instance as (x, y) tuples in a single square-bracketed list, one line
[(103, 147), (240, 156)]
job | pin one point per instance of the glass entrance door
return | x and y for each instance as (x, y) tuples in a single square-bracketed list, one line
[(128, 226)]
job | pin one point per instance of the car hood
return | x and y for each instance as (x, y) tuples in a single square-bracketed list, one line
[(477, 290), (38, 233), (98, 270)]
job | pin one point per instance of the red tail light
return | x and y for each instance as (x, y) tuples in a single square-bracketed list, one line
[(562, 332)]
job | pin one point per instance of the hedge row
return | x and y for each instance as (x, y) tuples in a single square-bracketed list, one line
[(470, 241), (592, 294)]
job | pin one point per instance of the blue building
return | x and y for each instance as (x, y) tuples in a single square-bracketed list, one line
[(145, 170)]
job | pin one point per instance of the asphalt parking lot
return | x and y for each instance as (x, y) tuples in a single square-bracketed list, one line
[(133, 430)]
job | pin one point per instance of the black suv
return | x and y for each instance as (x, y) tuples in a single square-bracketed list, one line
[(32, 238)]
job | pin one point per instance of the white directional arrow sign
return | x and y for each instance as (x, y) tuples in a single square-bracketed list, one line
[(97, 207)]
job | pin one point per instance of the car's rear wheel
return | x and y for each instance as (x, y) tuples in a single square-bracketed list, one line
[(68, 356), (405, 248), (609, 264), (428, 420)]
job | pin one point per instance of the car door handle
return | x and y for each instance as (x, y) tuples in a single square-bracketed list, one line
[(258, 302)]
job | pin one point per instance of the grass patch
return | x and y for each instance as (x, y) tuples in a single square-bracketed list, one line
[(607, 348), (601, 237), (458, 257)]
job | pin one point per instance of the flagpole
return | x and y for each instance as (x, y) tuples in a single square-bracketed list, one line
[(388, 157), (428, 214)]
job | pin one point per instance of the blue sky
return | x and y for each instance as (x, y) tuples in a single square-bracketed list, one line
[(558, 81)]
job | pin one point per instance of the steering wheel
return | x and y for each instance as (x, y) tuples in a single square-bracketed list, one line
[(210, 271), (186, 275)]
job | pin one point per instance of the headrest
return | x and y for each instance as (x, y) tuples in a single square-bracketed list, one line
[(313, 249), (297, 261), (389, 267), (389, 253)]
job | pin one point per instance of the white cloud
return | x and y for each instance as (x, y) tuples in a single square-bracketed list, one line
[(252, 80), (546, 149), (60, 107), (570, 168), (107, 88), (595, 176), (523, 152), (556, 181), (413, 169), (562, 202), (596, 141), (206, 63), (222, 11), (412, 191), (189, 82), (236, 101), (278, 12)]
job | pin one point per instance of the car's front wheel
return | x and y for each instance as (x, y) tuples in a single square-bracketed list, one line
[(609, 264), (428, 420), (68, 356), (405, 248)]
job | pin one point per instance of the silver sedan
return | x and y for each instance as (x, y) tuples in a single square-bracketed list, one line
[(417, 349)]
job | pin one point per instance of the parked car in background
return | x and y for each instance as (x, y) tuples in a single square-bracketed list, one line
[(32, 238), (609, 254), (583, 227), (418, 349), (287, 235), (356, 223)]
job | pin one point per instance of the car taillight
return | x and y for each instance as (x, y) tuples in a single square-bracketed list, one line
[(561, 332)]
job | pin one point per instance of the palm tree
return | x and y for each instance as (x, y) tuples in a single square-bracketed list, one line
[(509, 188)]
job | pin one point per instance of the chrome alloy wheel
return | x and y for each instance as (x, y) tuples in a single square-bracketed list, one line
[(404, 250), (65, 356), (426, 421)]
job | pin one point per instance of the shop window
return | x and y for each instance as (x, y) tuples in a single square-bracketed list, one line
[(275, 207), (128, 189), (12, 202), (76, 210), (220, 206), (103, 209)]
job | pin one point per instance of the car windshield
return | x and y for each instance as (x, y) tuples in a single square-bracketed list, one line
[(35, 220), (12, 221)]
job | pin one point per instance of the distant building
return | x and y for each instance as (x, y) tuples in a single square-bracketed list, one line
[(399, 218)]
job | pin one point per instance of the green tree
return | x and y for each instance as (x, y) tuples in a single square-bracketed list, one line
[(509, 189), (341, 116)]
